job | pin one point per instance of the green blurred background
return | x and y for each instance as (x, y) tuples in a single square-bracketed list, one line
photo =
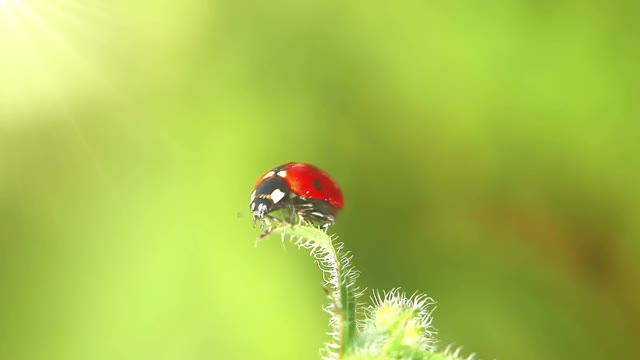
[(488, 154)]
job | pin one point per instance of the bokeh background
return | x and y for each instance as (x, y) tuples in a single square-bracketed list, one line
[(488, 153)]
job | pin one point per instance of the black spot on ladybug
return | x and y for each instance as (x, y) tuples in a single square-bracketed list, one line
[(316, 184)]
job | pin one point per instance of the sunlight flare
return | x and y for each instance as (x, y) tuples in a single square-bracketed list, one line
[(52, 53)]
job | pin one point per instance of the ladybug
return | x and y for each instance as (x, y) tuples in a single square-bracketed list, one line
[(299, 189)]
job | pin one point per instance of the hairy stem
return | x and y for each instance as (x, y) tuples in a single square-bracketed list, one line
[(339, 282), (394, 327)]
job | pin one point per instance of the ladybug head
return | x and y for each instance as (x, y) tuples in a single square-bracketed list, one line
[(269, 195)]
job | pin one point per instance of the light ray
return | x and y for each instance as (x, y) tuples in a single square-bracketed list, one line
[(38, 62), (75, 40), (58, 43)]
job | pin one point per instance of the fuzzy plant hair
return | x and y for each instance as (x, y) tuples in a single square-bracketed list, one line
[(393, 327)]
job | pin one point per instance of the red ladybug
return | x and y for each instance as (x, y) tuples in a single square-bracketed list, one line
[(300, 189)]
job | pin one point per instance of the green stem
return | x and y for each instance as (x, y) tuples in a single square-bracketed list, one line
[(396, 327), (339, 279)]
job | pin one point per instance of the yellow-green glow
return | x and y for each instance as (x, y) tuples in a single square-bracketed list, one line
[(49, 58)]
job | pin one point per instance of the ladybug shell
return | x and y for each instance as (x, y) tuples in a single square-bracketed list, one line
[(308, 181)]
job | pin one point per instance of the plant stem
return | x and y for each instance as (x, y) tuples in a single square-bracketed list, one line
[(339, 282)]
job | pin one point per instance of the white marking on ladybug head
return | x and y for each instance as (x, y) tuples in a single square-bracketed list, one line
[(276, 196), (259, 213), (269, 174), (253, 196), (282, 173)]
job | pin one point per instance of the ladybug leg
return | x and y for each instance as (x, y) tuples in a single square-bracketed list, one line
[(326, 220), (267, 226), (315, 212), (268, 223), (292, 214), (310, 214), (303, 211)]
